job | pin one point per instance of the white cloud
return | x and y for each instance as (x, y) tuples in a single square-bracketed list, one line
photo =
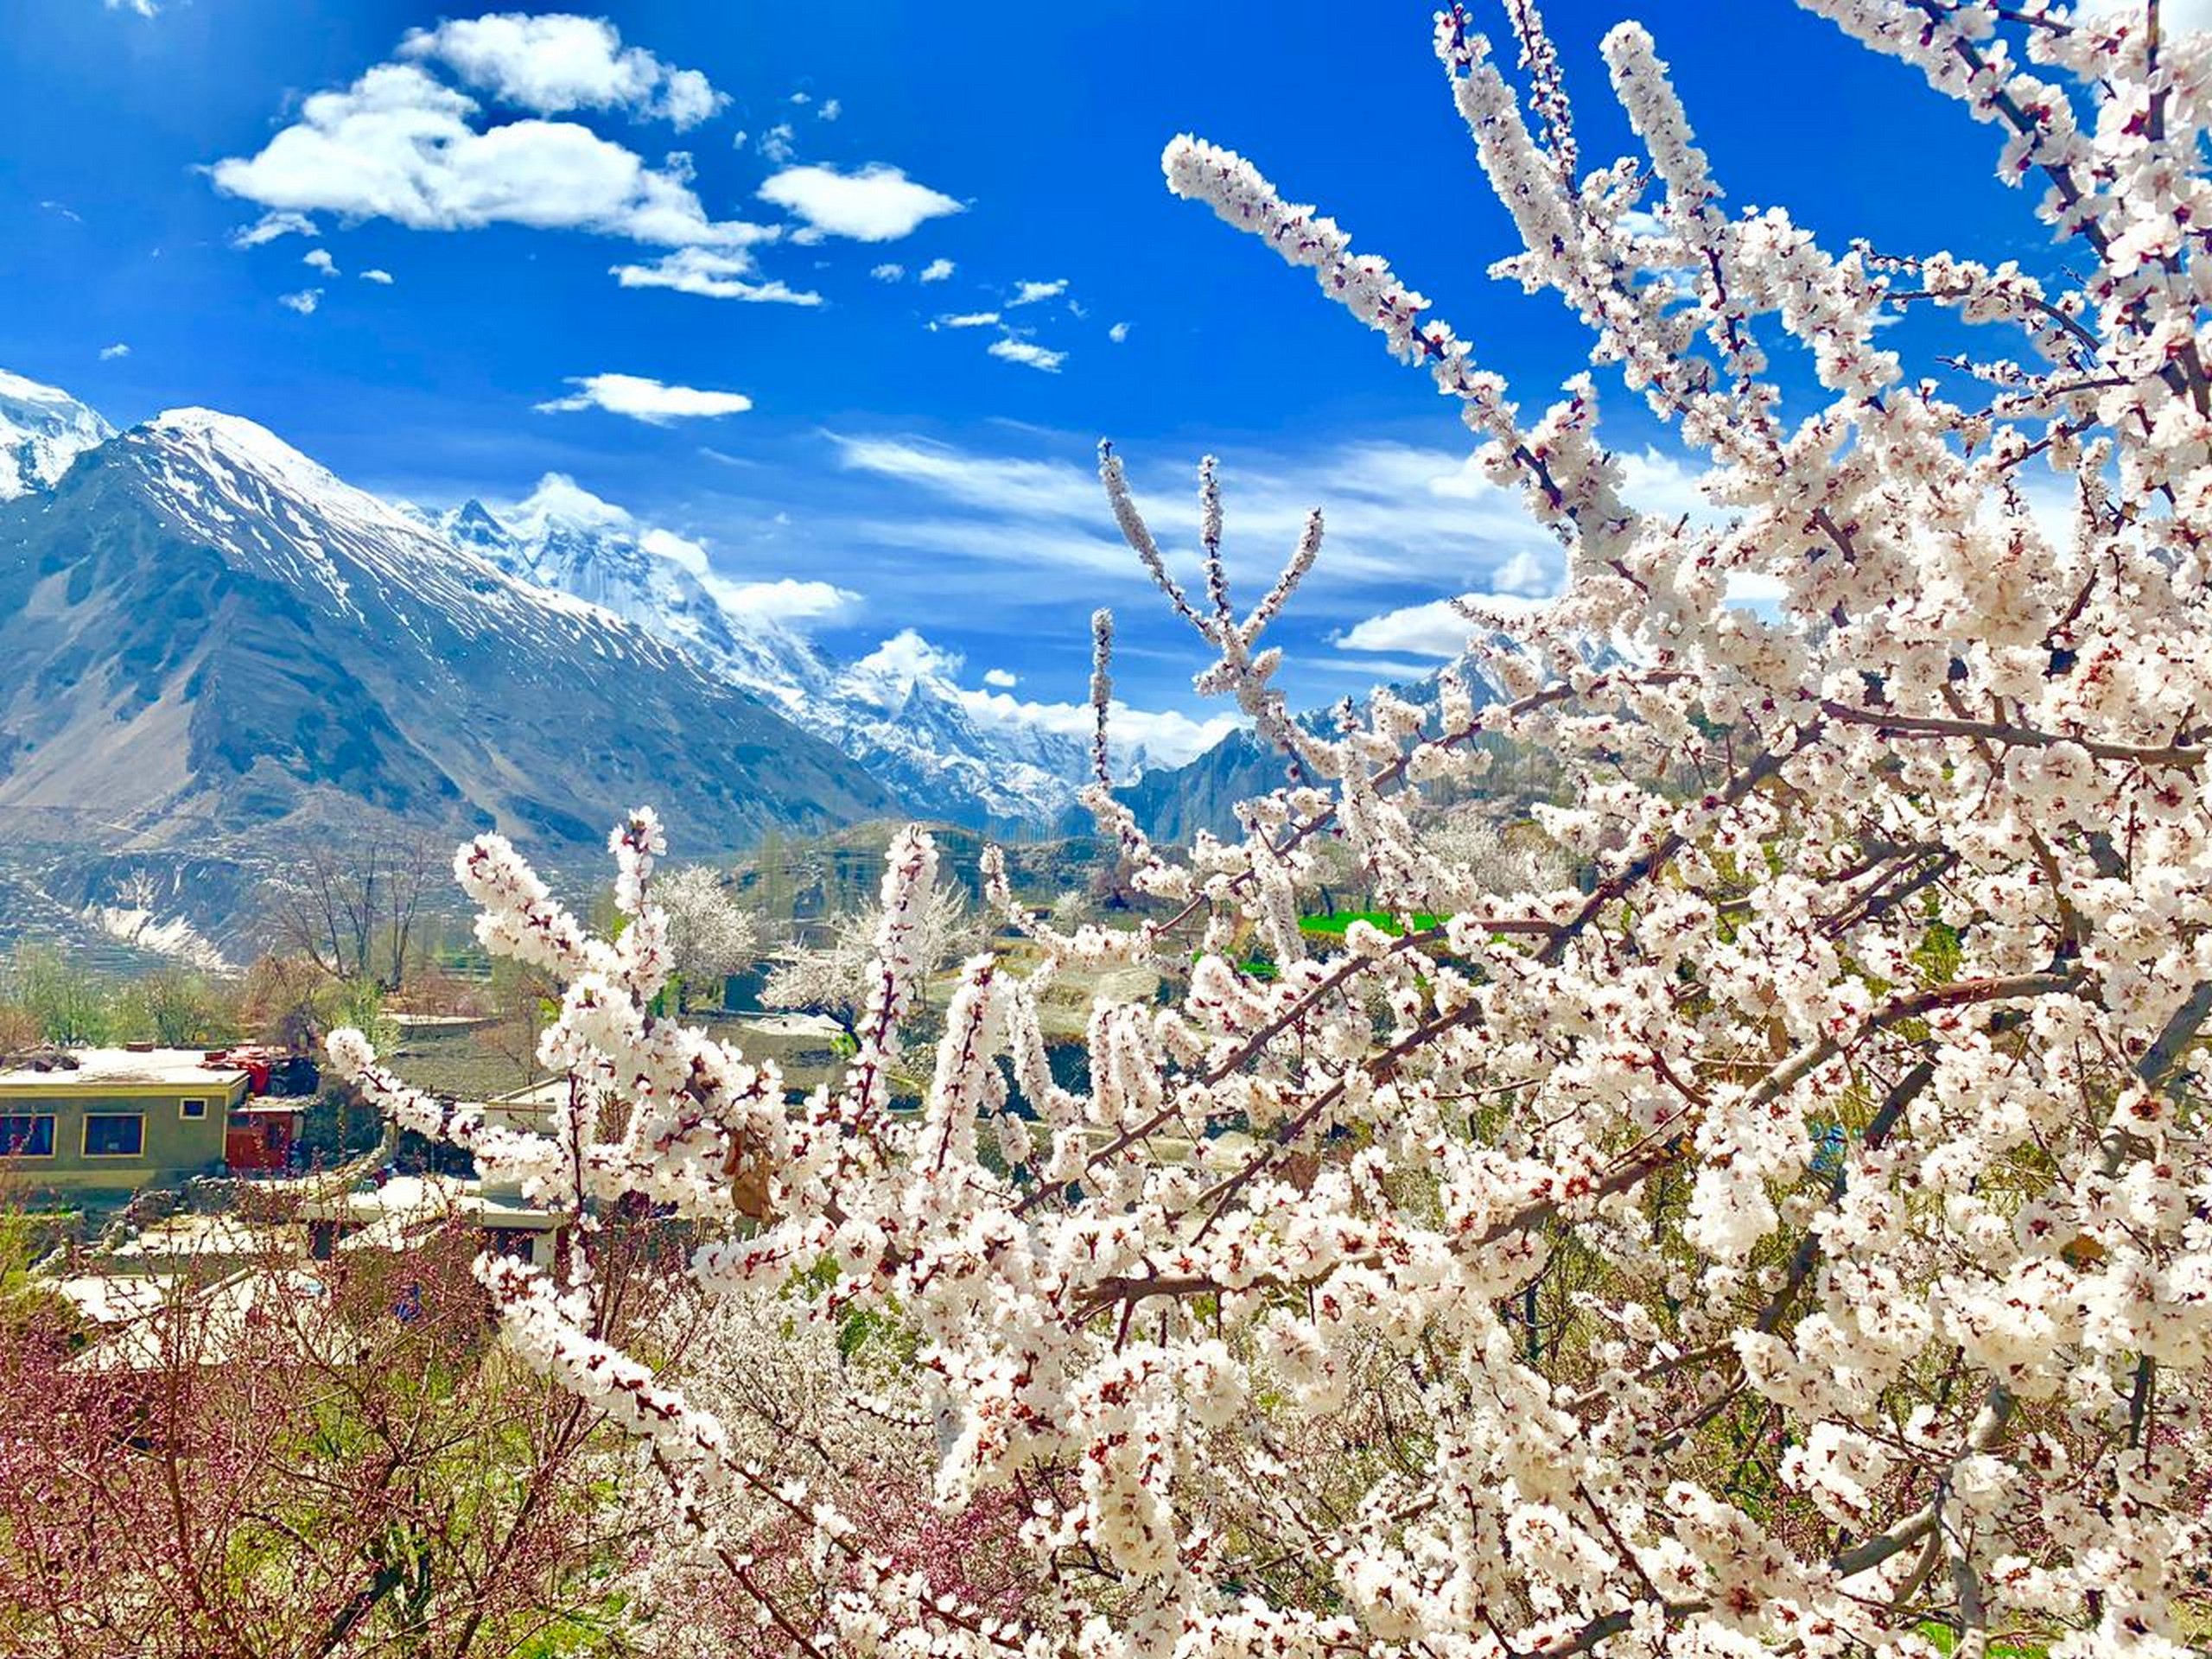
[(1163, 736), (556, 62), (109, 353), (777, 144), (398, 145), (802, 98), (269, 226), (888, 271), (907, 656), (65, 210), (712, 276), (559, 497), (381, 277), (1661, 486), (1001, 678), (1028, 353), (1527, 573), (830, 110), (645, 399), (937, 271), (1753, 588), (1434, 629), (1118, 332), (686, 98), (876, 204), (1031, 293), (968, 320), (304, 301), (321, 260), (677, 549), (139, 7), (783, 600)]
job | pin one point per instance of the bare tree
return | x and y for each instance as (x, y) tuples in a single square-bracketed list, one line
[(351, 910)]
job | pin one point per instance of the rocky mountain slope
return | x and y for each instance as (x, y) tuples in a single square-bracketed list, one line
[(204, 634)]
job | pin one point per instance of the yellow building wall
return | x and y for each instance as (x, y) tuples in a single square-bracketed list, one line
[(172, 1147)]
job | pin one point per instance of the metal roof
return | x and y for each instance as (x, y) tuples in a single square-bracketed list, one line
[(122, 1068)]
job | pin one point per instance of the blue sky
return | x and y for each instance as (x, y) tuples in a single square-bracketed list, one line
[(935, 485)]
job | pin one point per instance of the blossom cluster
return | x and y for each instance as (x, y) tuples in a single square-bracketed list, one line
[(1776, 1220)]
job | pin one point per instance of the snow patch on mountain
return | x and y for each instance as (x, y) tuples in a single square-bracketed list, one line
[(174, 937)]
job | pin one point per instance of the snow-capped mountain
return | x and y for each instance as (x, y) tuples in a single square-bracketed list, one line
[(42, 430), (203, 632), (897, 711), (565, 538)]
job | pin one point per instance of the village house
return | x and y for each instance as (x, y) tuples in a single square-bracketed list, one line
[(114, 1120)]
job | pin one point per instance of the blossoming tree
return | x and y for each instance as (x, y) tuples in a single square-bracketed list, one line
[(710, 937), (1789, 1236)]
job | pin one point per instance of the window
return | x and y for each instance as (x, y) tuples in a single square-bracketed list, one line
[(191, 1106), (27, 1135), (115, 1135)]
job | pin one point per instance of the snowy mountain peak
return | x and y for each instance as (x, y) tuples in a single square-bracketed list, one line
[(42, 430), (471, 523), (563, 537), (237, 444), (233, 485)]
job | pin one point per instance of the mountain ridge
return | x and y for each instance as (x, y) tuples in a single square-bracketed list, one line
[(203, 628)]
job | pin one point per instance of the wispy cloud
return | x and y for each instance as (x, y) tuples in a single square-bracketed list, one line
[(1027, 352), (968, 320), (109, 353), (304, 301), (937, 271), (271, 225), (1398, 516), (1031, 293), (642, 399), (381, 277), (777, 144), (319, 259), (889, 271), (1118, 332), (712, 276)]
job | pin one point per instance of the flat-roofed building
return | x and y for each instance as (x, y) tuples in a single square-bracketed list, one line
[(115, 1119)]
